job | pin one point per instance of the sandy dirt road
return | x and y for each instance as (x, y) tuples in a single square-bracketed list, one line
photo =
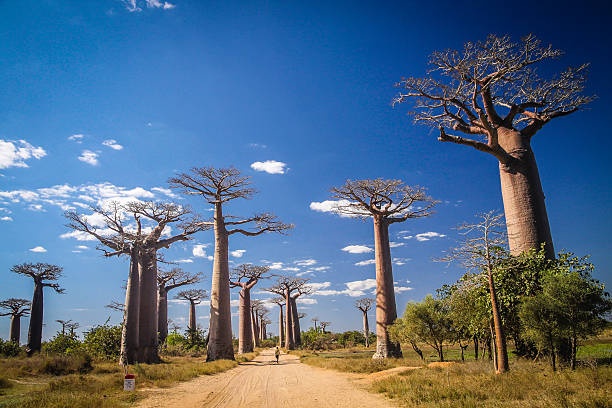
[(262, 383)]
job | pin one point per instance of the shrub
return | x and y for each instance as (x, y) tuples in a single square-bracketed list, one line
[(9, 348), (103, 341), (62, 344), (62, 365)]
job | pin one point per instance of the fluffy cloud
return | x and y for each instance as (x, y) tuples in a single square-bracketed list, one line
[(136, 6), (307, 301), (291, 269), (366, 262), (89, 157), (353, 288), (112, 143), (330, 206), (315, 286), (165, 191), (184, 260), (425, 236), (6, 218), (275, 265), (76, 138), (198, 250), (238, 253), (270, 166), (320, 268), (357, 249), (395, 244), (400, 289), (38, 249), (15, 153), (305, 262)]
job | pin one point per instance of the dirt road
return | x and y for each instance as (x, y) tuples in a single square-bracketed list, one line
[(262, 383)]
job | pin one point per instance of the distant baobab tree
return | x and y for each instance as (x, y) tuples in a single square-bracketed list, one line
[(478, 251), (16, 309), (324, 325), (386, 202), (256, 305), (139, 339), (219, 186), (365, 304), (491, 93), (194, 297), (245, 277), (168, 280), (315, 320), (44, 275), (291, 288), (280, 302), (64, 324), (72, 326), (261, 314)]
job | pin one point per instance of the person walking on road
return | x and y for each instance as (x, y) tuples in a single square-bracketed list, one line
[(277, 354)]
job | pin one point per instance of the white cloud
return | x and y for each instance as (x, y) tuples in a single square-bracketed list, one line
[(78, 235), (270, 166), (112, 143), (15, 153), (257, 145), (320, 268), (395, 244), (159, 4), (330, 206), (184, 260), (77, 138), (366, 262), (306, 301), (357, 249), (315, 286), (353, 288), (38, 249), (89, 157), (238, 253), (6, 218), (305, 262), (82, 247), (275, 265), (165, 191), (291, 269), (400, 261), (400, 289), (362, 284), (198, 250), (425, 236)]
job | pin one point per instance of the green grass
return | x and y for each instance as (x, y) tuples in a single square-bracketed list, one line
[(28, 383)]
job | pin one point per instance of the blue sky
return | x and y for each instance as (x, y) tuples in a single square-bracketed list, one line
[(153, 88)]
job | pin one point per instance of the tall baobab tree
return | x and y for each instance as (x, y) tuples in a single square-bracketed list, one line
[(245, 277), (314, 320), (365, 304), (478, 251), (261, 315), (217, 187), (16, 309), (141, 242), (286, 286), (491, 93), (264, 324), (256, 305), (168, 280), (194, 297), (324, 326), (280, 302), (44, 275), (386, 202)]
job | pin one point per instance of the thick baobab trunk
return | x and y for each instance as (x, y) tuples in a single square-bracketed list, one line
[(254, 331), (385, 294), (524, 206), (366, 329), (192, 317), (500, 338), (15, 328), (220, 342), (289, 341), (295, 320), (162, 314), (131, 313), (245, 340), (36, 320), (147, 322), (263, 331), (280, 326)]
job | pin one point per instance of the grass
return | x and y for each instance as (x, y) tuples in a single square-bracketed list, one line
[(30, 383)]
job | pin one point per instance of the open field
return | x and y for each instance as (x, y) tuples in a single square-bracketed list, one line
[(474, 383), (46, 382)]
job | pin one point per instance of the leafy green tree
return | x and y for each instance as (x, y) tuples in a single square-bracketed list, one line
[(428, 322), (103, 341), (62, 343)]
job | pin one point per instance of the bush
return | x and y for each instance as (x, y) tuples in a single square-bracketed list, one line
[(317, 340), (62, 344), (267, 343), (103, 341), (62, 365), (9, 348)]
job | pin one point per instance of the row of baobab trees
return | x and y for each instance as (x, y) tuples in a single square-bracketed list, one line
[(489, 92)]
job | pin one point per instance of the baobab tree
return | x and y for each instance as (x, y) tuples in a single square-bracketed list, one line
[(245, 277), (44, 275), (490, 91), (168, 280), (261, 315), (256, 305), (217, 187), (479, 251), (286, 286), (280, 302), (264, 324), (315, 320), (65, 324), (16, 309), (324, 325), (386, 202), (141, 242), (194, 297), (365, 304)]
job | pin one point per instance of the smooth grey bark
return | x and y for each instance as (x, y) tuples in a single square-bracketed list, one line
[(386, 312), (245, 339), (15, 328), (366, 329), (192, 316), (220, 341), (289, 340), (130, 329), (297, 335), (162, 313), (36, 320), (147, 322), (280, 325)]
